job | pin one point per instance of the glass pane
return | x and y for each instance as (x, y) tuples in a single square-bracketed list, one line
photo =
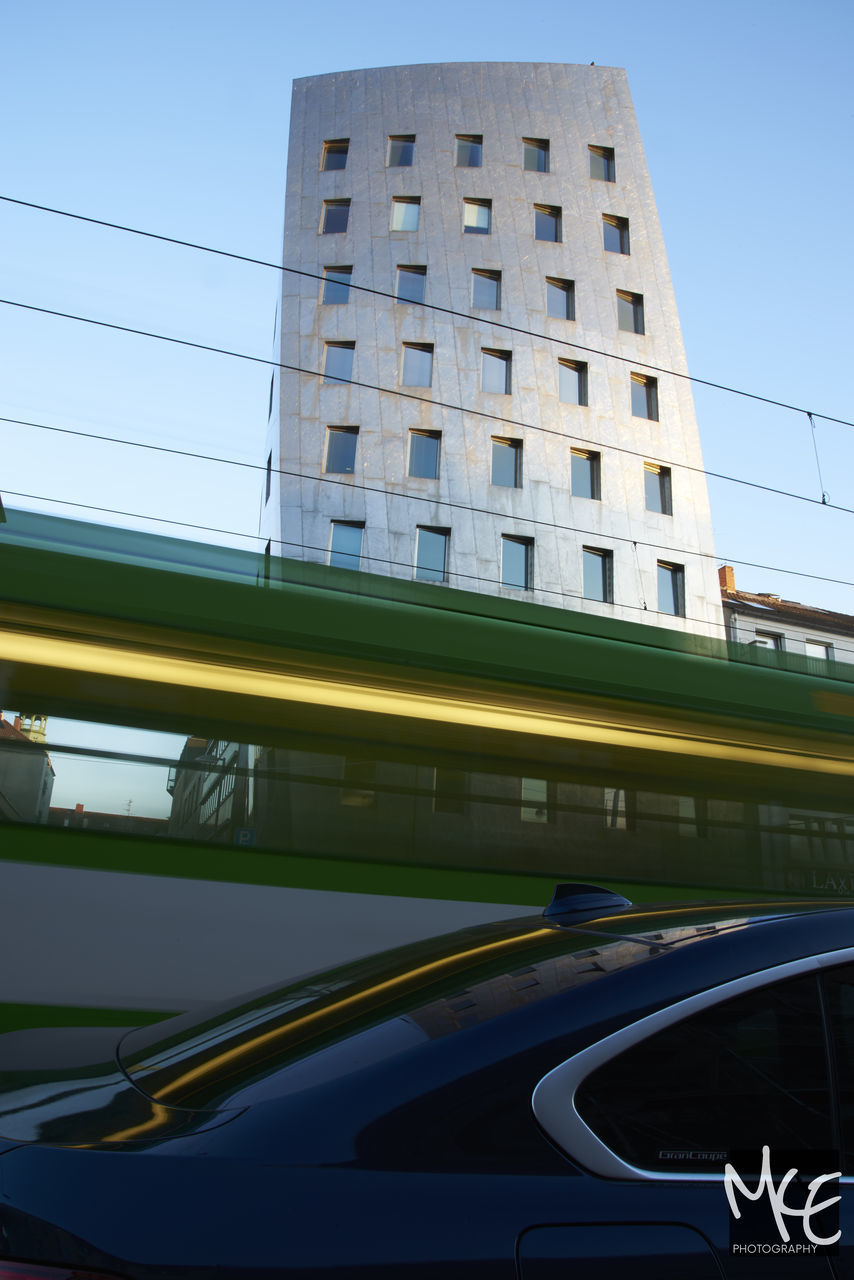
[(595, 578), (486, 290), (630, 312), (546, 224), (417, 366), (670, 590), (341, 451), (335, 155), (584, 480), (410, 284), (644, 398), (816, 650), (335, 216), (469, 152), (338, 366), (345, 551), (514, 563), (616, 235), (431, 555), (404, 215), (602, 163), (423, 455), (536, 157), (652, 483), (571, 389), (476, 217), (536, 792), (506, 459), (336, 284), (400, 152), (495, 373), (560, 299)]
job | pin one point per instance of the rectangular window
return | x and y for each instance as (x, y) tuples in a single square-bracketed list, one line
[(338, 361), (536, 154), (547, 219), (268, 481), (516, 562), (335, 153), (335, 216), (345, 545), (405, 212), (450, 791), (818, 651), (572, 382), (560, 298), (644, 397), (598, 574), (769, 640), (469, 150), (336, 285), (671, 589), (506, 462), (495, 371), (630, 311), (535, 800), (586, 471), (401, 150), (486, 290), (657, 485), (477, 217), (602, 163), (615, 232), (358, 781), (341, 450), (431, 555), (411, 282), (417, 364), (424, 454)]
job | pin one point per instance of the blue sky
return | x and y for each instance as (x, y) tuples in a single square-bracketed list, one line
[(173, 117)]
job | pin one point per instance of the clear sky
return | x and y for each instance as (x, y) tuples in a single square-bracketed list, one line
[(172, 116)]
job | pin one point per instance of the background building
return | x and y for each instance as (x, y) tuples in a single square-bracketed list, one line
[(505, 213), (26, 773)]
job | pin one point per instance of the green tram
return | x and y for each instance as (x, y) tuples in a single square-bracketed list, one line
[(401, 758)]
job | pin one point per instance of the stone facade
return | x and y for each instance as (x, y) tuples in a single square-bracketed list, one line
[(524, 479)]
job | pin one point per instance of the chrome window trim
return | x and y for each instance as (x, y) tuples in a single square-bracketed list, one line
[(558, 1088)]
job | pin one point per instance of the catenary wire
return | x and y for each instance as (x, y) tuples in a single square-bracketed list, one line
[(382, 293)]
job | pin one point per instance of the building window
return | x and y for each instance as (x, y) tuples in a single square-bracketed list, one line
[(615, 233), (336, 215), (671, 589), (819, 652), (424, 454), (644, 397), (268, 479), (560, 298), (586, 471), (486, 290), (345, 544), (336, 285), (401, 150), (341, 450), (535, 800), (270, 405), (469, 150), (496, 371), (417, 364), (507, 462), (769, 640), (405, 212), (598, 574), (450, 791), (411, 282), (431, 555), (630, 311), (357, 783), (517, 556), (335, 153), (338, 361), (572, 382), (547, 222), (536, 154), (477, 217), (602, 163), (657, 486)]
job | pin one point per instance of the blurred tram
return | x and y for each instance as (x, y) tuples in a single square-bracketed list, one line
[(395, 758)]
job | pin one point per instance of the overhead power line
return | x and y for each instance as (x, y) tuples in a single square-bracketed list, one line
[(430, 306)]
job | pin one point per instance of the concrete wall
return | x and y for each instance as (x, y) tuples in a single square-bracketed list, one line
[(573, 107)]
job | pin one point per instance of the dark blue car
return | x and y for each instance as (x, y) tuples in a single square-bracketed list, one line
[(555, 1096)]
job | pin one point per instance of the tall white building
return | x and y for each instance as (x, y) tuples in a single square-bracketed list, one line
[(488, 418)]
